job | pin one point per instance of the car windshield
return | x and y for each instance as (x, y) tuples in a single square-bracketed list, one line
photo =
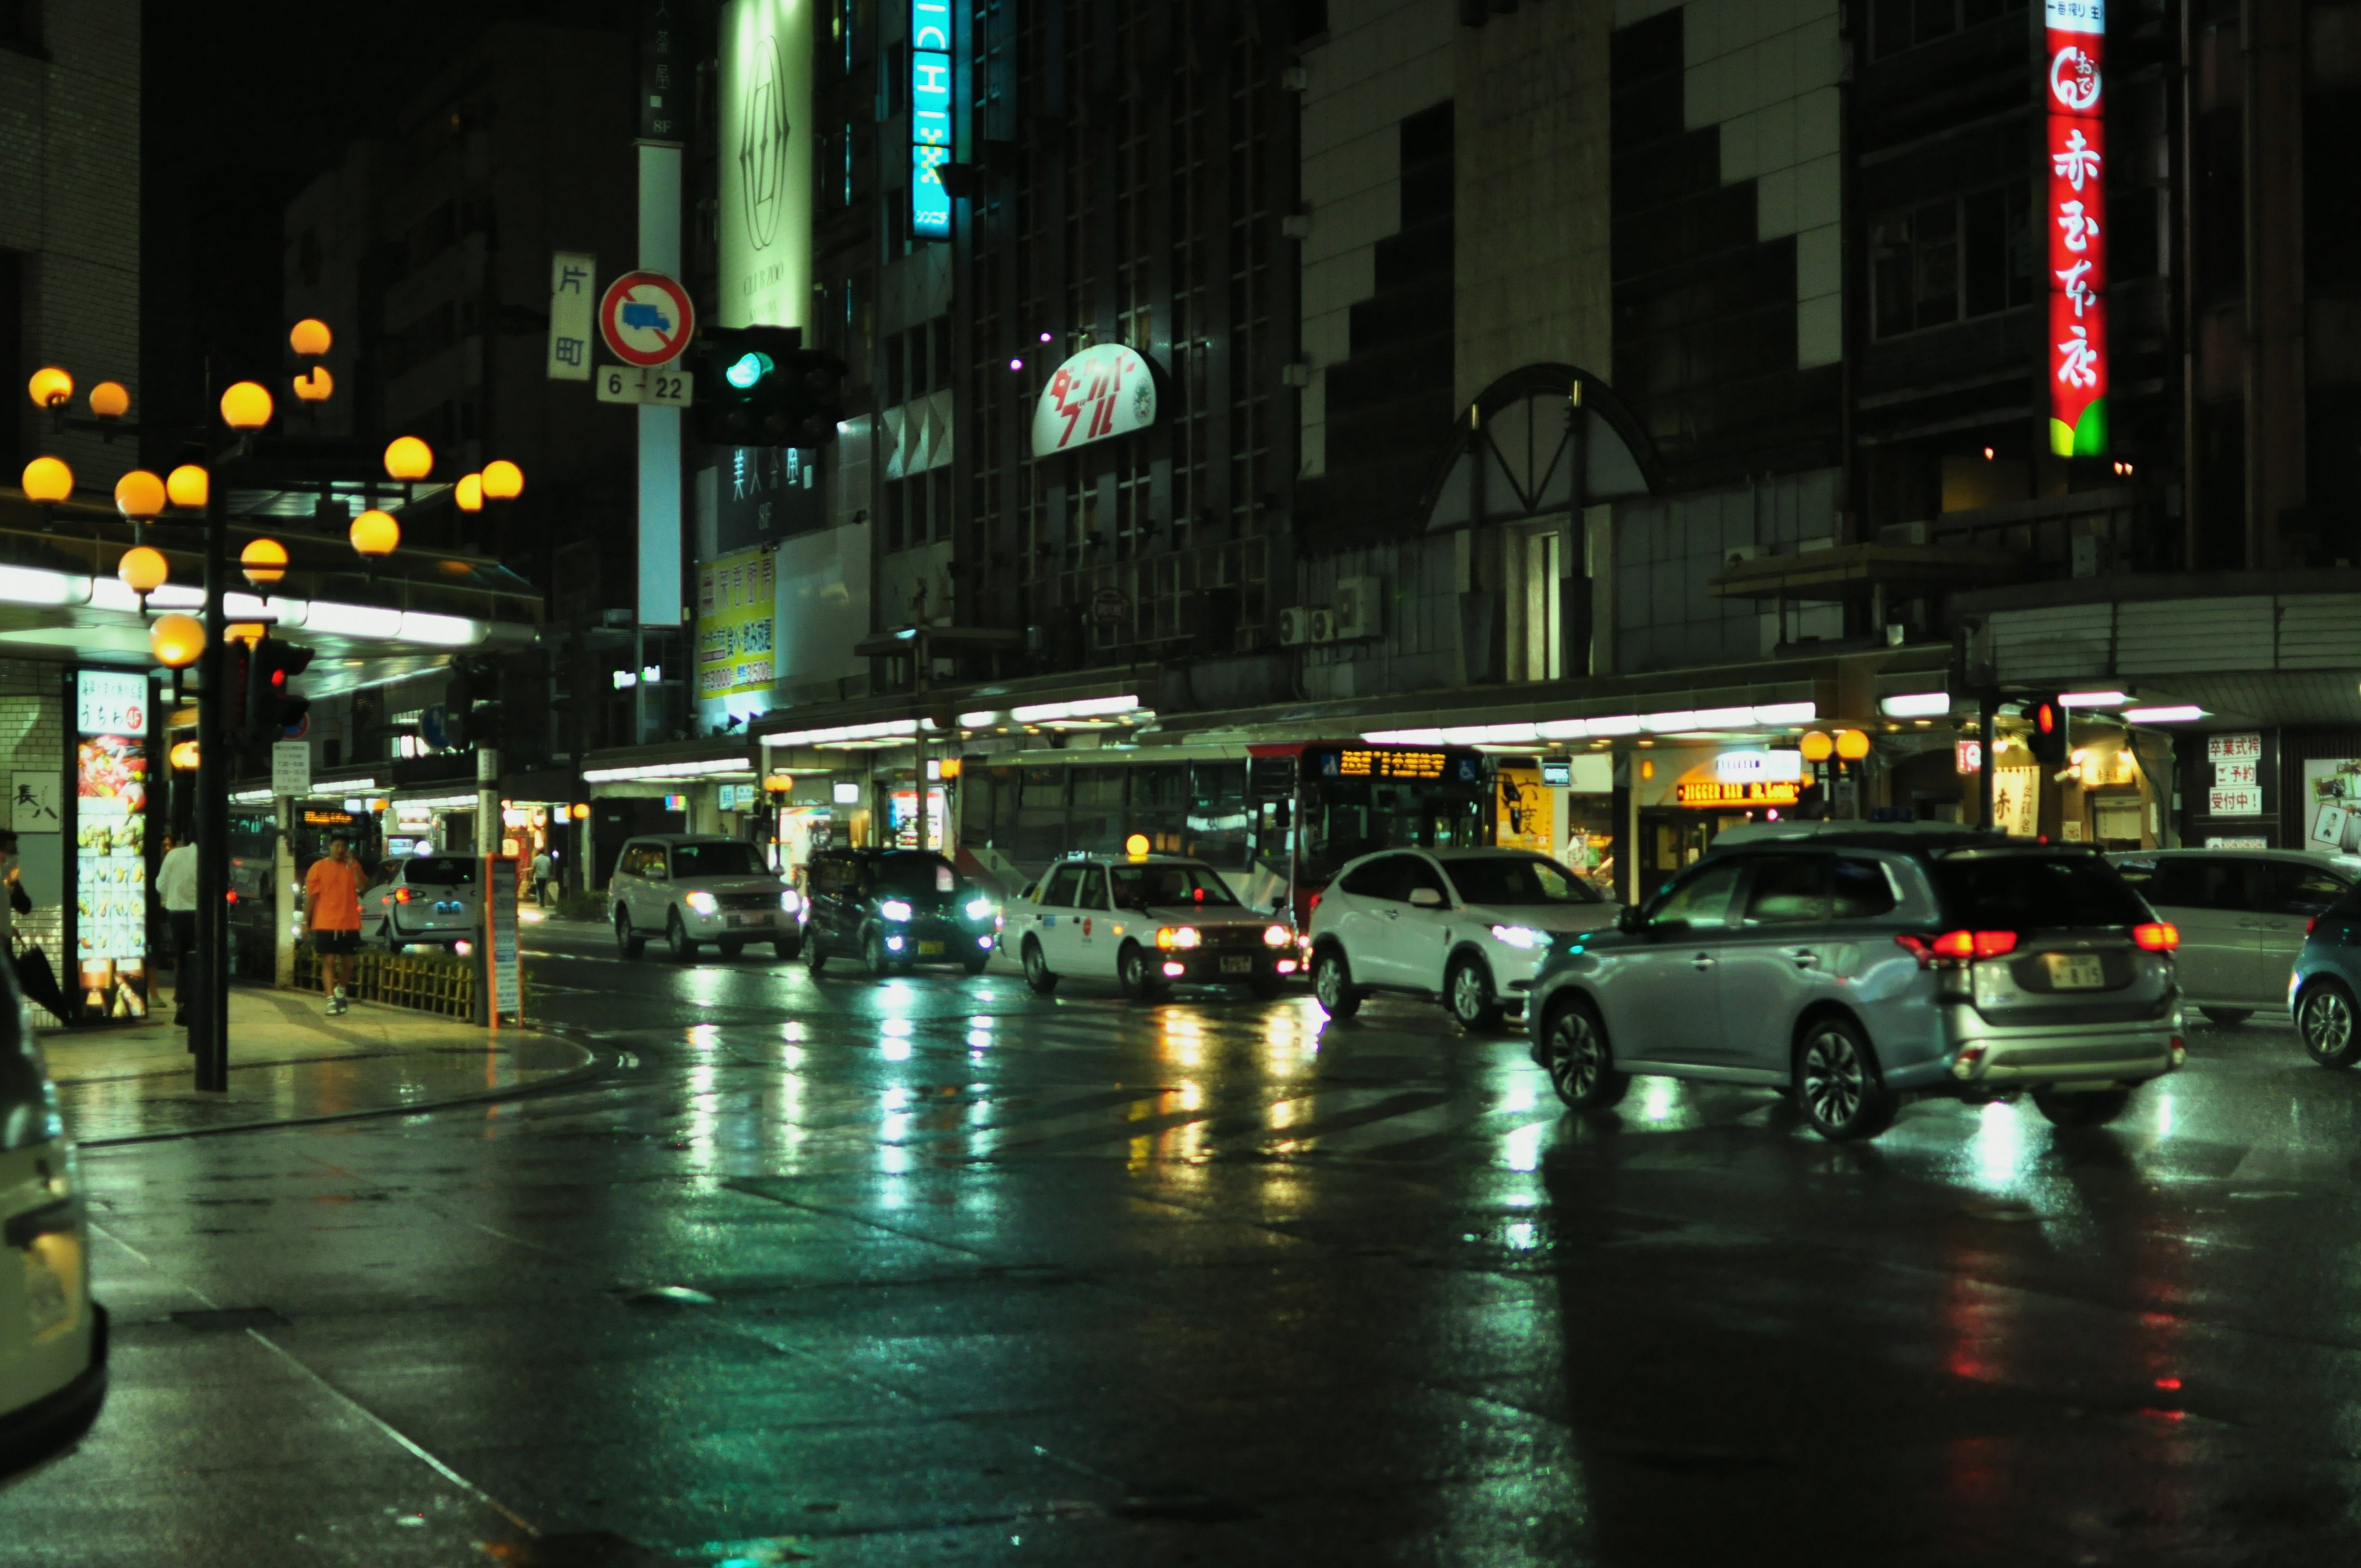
[(2034, 892), (441, 870), (1517, 879), (1138, 887), (690, 862), (913, 873)]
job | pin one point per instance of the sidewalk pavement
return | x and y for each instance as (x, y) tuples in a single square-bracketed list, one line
[(289, 1061)]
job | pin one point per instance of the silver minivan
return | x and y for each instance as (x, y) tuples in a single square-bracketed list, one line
[(2241, 914), (1851, 964)]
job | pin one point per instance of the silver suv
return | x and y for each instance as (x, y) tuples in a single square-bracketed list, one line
[(1852, 964), (697, 888)]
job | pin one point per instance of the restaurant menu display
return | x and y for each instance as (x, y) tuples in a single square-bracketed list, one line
[(110, 843)]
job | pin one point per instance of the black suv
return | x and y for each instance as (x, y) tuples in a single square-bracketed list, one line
[(894, 908)]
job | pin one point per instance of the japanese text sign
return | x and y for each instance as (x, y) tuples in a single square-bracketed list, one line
[(573, 301), (1105, 391), (2075, 35), (931, 117)]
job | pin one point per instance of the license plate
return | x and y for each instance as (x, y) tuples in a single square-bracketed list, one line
[(929, 950), (739, 920), (2075, 972), (1240, 965)]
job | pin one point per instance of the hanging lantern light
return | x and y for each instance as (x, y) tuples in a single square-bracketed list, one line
[(176, 641), (143, 569), (188, 486), (315, 385), (48, 480), (184, 756), (246, 406), (264, 562), (375, 533), (110, 400), (1852, 745), (51, 387), (409, 458), (309, 338), (140, 495), (468, 493), (503, 480)]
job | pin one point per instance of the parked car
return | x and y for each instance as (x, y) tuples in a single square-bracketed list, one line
[(697, 888), (52, 1335), (2242, 914), (2325, 980), (1467, 927), (892, 909), (1145, 922), (1853, 964), (432, 901)]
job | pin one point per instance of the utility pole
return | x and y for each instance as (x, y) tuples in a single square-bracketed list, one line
[(209, 1029)]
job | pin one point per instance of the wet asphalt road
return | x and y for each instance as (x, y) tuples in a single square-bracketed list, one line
[(937, 1271)]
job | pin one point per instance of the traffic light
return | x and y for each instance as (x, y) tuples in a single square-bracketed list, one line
[(2049, 740), (272, 707), (758, 386)]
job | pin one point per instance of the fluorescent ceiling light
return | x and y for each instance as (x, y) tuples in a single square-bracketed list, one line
[(983, 719), (704, 767), (1787, 712), (1724, 718), (1620, 724), (443, 630), (2182, 714), (30, 584), (1402, 736), (1090, 707), (1916, 704), (1564, 729), (2093, 699), (353, 620)]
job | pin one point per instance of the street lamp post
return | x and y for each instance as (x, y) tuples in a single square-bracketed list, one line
[(209, 1029)]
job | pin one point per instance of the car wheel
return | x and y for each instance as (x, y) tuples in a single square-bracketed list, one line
[(731, 949), (1468, 993), (815, 955), (629, 943), (2324, 1018), (872, 953), (2081, 1108), (2226, 1017), (676, 934), (1581, 1067), (1836, 1083), (1332, 984), (1131, 971), (1037, 970), (786, 947)]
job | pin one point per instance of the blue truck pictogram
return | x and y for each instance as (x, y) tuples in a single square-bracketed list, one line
[(636, 313)]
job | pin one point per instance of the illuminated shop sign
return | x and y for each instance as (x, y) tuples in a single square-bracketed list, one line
[(931, 117), (1750, 791), (1105, 391), (2075, 31), (763, 225), (1365, 765), (1748, 767)]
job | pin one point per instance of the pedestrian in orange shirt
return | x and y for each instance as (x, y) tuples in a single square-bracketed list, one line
[(332, 907)]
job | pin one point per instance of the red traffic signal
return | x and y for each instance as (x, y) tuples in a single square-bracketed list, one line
[(2049, 739)]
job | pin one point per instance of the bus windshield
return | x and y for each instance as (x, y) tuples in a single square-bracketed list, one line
[(1141, 887)]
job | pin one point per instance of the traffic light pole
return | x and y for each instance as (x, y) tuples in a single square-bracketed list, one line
[(209, 1028)]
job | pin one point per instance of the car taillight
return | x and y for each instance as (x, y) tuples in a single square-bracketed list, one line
[(2311, 924), (401, 895), (1974, 944), (2156, 937), (1311, 905)]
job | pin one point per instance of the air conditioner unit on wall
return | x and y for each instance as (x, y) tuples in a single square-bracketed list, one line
[(1360, 607), (1294, 626), (1323, 624)]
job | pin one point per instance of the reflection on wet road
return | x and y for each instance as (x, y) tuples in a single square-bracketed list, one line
[(933, 1268)]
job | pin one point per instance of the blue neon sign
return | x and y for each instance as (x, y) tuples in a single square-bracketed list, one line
[(931, 117)]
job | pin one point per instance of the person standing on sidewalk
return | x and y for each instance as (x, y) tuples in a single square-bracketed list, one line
[(176, 890), (541, 877), (332, 908)]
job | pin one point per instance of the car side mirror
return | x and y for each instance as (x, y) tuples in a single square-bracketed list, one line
[(1629, 920), (1425, 898)]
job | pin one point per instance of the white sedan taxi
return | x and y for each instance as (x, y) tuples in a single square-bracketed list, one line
[(1147, 922)]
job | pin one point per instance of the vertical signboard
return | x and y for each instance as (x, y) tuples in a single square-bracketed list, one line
[(931, 117), (573, 293), (737, 606), (764, 218), (2075, 35), (661, 99), (110, 883)]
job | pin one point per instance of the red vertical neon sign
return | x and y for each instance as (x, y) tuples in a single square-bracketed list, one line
[(2076, 35)]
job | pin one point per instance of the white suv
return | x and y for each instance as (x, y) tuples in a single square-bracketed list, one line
[(1467, 927), (697, 888)]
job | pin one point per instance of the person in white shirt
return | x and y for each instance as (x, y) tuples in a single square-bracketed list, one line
[(541, 873), (176, 890)]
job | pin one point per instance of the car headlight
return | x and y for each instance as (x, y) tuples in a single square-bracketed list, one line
[(1275, 936), (1178, 937), (790, 901), (703, 903), (1523, 936), (979, 908), (895, 909)]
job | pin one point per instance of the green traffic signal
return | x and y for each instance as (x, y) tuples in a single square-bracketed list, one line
[(748, 369)]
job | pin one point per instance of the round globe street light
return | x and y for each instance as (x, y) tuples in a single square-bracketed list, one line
[(309, 338), (409, 458), (315, 384), (375, 534), (140, 495), (188, 487), (176, 641), (143, 569), (1852, 745), (110, 400), (503, 480), (1817, 746), (264, 561), (51, 388), (48, 480), (184, 756), (468, 493), (246, 406)]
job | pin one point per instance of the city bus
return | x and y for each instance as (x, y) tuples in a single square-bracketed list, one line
[(1276, 820)]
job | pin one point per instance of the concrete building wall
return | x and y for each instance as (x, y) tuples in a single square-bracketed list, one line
[(70, 209)]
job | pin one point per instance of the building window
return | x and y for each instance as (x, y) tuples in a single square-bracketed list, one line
[(1534, 630), (1898, 25), (1953, 259)]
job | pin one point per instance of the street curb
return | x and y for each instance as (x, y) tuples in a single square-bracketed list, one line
[(598, 1066)]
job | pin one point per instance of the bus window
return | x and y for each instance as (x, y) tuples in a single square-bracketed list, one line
[(1217, 821), (1095, 820), (1159, 805), (1040, 835)]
